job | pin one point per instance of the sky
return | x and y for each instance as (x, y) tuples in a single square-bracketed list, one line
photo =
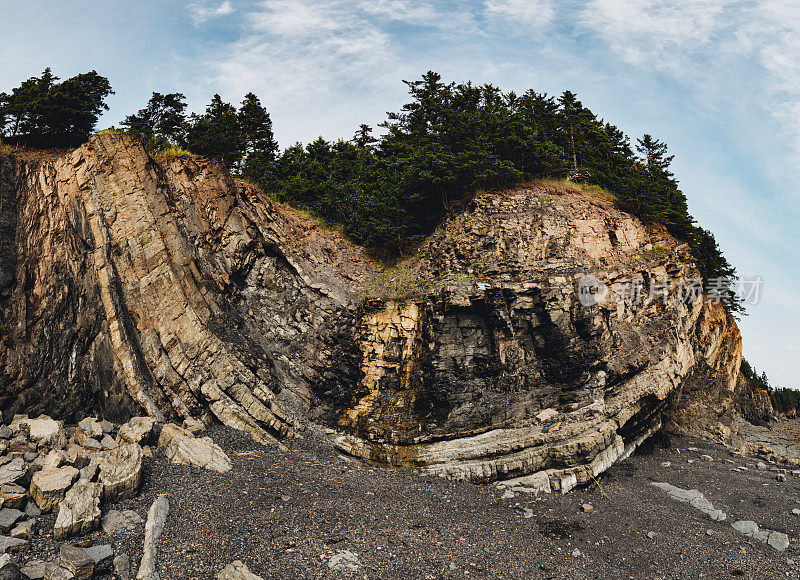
[(717, 80)]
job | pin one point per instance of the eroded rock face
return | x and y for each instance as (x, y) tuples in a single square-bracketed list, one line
[(166, 289), (132, 287), (500, 369)]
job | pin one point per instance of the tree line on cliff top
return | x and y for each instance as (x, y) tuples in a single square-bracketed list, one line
[(784, 400), (388, 191)]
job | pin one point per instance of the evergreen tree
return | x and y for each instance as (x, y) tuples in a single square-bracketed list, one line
[(162, 120), (42, 111), (216, 133), (258, 141), (363, 138)]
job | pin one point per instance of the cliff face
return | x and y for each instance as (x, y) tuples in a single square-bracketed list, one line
[(130, 286), (164, 288), (502, 370)]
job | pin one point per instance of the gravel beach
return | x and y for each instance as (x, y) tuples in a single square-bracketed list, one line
[(285, 514)]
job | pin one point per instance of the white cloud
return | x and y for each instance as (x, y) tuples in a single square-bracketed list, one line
[(656, 32), (309, 60), (202, 13), (530, 13), (421, 13)]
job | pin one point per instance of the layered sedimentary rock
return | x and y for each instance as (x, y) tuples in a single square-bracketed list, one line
[(132, 286), (551, 333), (541, 331)]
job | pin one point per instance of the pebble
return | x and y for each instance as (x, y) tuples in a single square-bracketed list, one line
[(666, 464), (587, 507), (344, 561), (651, 535)]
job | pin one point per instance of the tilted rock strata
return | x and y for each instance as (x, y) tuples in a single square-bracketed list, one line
[(132, 286), (498, 370)]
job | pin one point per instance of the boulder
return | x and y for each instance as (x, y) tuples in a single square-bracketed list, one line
[(13, 496), (34, 569), (79, 511), (344, 561), (117, 522), (8, 544), (12, 471), (122, 566), (48, 487), (9, 517), (53, 460), (76, 561), (19, 423), (91, 427), (44, 429), (102, 555), (169, 431), (200, 452), (236, 571), (23, 530), (10, 570), (54, 571), (137, 430), (121, 472), (156, 519)]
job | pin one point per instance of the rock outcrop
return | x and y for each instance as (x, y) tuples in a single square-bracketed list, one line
[(551, 333), (134, 287), (542, 331)]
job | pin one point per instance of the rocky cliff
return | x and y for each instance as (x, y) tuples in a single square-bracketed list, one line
[(540, 331)]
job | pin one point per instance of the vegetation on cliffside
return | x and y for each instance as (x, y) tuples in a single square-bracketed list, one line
[(784, 400), (42, 112), (388, 192)]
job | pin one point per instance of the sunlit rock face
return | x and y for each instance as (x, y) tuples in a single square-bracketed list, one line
[(502, 367), (131, 285)]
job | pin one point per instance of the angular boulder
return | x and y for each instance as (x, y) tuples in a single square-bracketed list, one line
[(198, 452), (8, 544), (137, 430), (76, 561), (117, 522), (236, 570), (12, 471), (121, 472), (48, 487), (44, 429), (156, 520), (169, 431), (9, 517), (79, 511), (13, 496)]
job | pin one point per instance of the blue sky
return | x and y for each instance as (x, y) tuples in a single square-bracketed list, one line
[(718, 80)]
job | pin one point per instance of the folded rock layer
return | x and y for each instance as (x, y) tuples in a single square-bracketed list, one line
[(530, 333)]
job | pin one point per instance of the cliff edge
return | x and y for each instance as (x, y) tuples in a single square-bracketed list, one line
[(542, 330)]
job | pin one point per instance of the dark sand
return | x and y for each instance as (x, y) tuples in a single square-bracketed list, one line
[(285, 514)]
